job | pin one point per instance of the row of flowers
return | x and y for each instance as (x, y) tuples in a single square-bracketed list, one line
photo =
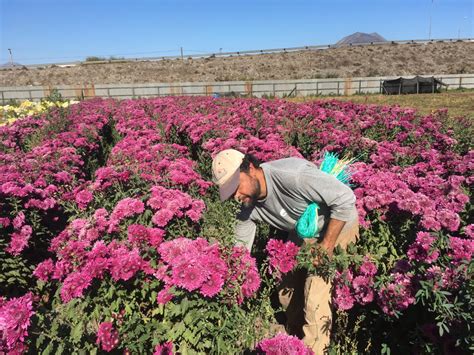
[(12, 113)]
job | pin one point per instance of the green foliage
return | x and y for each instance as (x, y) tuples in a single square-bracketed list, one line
[(218, 220), (54, 96), (57, 123)]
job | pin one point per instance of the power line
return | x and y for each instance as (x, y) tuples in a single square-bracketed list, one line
[(79, 56)]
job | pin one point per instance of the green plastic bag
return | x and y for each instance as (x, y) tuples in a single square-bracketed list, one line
[(307, 224)]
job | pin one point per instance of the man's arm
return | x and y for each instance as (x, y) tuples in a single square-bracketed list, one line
[(330, 236), (245, 233), (245, 228), (320, 187), (340, 199)]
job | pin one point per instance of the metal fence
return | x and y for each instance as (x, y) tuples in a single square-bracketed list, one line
[(275, 88)]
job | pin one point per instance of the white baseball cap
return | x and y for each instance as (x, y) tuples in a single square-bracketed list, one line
[(226, 172)]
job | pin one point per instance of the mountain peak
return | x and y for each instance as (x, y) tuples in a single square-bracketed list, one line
[(360, 37)]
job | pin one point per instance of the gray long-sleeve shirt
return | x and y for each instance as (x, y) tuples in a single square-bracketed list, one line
[(292, 184)]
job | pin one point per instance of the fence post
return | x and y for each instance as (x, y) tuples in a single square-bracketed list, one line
[(338, 88), (360, 83), (133, 91), (29, 94), (274, 94), (317, 88), (3, 98), (158, 91), (108, 92)]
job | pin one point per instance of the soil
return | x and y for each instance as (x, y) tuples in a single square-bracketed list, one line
[(357, 61)]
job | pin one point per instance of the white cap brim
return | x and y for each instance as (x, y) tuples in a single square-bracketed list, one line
[(228, 188)]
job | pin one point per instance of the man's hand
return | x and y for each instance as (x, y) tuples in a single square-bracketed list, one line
[(328, 243), (319, 253)]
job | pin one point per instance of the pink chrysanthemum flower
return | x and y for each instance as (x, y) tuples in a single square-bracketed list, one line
[(83, 198), (368, 268), (124, 263), (422, 250), (461, 249), (44, 270), (363, 289), (396, 295), (107, 336), (19, 241), (212, 285), (165, 295), (164, 349), (127, 208), (174, 249), (283, 344), (251, 283), (19, 220), (137, 234), (15, 315), (282, 256), (162, 217), (155, 236), (188, 276), (74, 285), (343, 298), (195, 211)]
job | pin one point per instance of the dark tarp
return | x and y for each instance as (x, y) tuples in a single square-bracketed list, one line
[(416, 85)]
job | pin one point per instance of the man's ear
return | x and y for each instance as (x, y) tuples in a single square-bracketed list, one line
[(252, 169)]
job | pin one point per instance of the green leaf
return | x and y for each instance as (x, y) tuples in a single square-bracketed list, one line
[(76, 332), (48, 349), (39, 341)]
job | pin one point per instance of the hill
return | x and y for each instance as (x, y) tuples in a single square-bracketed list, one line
[(346, 61), (360, 37)]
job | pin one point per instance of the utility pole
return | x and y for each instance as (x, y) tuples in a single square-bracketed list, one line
[(429, 35), (11, 56), (431, 11), (461, 25), (182, 57)]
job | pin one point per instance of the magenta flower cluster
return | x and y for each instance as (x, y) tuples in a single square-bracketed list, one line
[(15, 319), (40, 178), (197, 265), (422, 249), (164, 349), (282, 256), (350, 289), (282, 344), (107, 336), (397, 295)]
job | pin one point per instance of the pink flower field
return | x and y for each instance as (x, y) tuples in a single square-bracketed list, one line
[(113, 238)]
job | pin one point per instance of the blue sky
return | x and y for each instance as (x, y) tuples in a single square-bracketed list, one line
[(45, 31)]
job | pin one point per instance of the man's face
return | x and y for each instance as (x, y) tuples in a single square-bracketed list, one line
[(249, 189)]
